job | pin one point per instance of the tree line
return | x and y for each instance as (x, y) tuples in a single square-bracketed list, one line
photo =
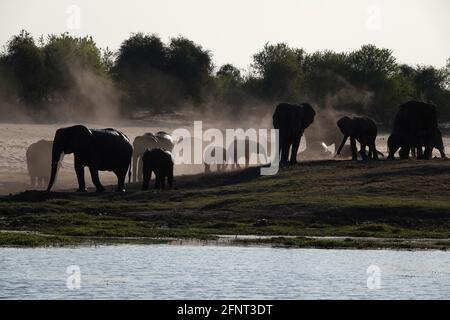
[(149, 75)]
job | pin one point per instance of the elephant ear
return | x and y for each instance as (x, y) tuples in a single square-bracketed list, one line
[(79, 138), (345, 124)]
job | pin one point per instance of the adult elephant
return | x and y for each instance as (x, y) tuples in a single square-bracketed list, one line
[(415, 126), (291, 120), (161, 140), (361, 129), (39, 155), (404, 152), (98, 149)]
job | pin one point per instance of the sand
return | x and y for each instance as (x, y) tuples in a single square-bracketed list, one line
[(15, 139)]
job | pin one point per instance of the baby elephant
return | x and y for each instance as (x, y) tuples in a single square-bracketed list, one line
[(39, 155), (363, 130), (160, 162)]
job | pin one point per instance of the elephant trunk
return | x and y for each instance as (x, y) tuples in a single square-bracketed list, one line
[(56, 155)]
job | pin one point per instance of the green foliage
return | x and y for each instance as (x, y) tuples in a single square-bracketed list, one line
[(155, 76), (279, 68), (63, 54), (43, 76), (371, 63), (191, 64), (138, 70), (159, 77), (326, 72), (229, 86), (24, 62)]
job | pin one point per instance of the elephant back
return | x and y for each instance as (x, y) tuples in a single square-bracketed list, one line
[(39, 153), (293, 117), (165, 141), (146, 141), (416, 119)]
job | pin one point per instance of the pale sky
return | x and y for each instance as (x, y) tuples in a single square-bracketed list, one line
[(418, 31)]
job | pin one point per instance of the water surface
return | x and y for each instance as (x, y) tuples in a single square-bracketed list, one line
[(221, 272)]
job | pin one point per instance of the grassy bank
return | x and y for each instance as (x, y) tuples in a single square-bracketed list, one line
[(402, 200)]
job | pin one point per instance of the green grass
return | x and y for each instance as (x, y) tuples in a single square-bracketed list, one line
[(19, 239), (384, 199)]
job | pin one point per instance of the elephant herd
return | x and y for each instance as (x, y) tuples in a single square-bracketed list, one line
[(415, 131)]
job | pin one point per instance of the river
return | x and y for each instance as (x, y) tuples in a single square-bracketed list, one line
[(221, 272)]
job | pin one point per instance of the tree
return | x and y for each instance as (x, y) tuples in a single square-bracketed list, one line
[(230, 72), (192, 65), (140, 70), (325, 73), (279, 68), (429, 80), (25, 63), (372, 65), (65, 55), (229, 86)]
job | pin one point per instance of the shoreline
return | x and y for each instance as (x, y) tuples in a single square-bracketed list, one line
[(28, 239), (317, 204)]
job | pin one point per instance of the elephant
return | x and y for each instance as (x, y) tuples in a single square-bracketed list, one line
[(363, 130), (39, 155), (211, 150), (415, 126), (396, 140), (233, 150), (148, 141), (98, 149), (291, 120), (161, 163)]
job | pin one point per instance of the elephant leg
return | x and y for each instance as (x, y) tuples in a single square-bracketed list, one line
[(163, 182), (442, 152), (135, 159), (95, 179), (420, 154), (362, 152), (284, 149), (121, 175), (170, 178), (147, 176), (373, 150), (247, 157), (392, 151), (140, 168), (354, 149), (295, 145), (404, 152), (79, 170), (157, 181), (428, 153)]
